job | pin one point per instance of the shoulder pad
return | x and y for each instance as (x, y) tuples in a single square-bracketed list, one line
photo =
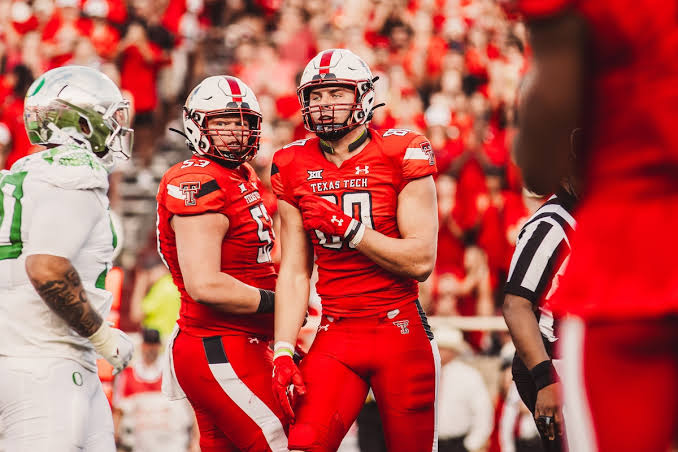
[(190, 192), (301, 142), (397, 133), (66, 166), (410, 151)]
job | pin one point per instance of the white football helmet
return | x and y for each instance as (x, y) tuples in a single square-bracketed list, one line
[(337, 67), (223, 95), (78, 104)]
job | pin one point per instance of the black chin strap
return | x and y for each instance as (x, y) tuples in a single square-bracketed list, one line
[(325, 146)]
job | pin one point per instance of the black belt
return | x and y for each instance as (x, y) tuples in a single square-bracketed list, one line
[(214, 350)]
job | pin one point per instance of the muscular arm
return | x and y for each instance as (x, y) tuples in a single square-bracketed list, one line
[(412, 255), (199, 239), (59, 286), (296, 265), (552, 101), (524, 329)]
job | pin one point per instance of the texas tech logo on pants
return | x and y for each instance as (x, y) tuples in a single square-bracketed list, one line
[(403, 326)]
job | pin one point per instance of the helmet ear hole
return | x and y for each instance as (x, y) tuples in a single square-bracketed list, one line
[(85, 127)]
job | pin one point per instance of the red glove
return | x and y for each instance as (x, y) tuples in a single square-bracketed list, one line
[(328, 218), (287, 385)]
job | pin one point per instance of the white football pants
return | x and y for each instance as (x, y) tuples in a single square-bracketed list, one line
[(52, 404)]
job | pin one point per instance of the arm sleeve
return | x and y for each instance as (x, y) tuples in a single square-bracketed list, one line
[(192, 194), (418, 160), (540, 247), (482, 414), (61, 222), (280, 187)]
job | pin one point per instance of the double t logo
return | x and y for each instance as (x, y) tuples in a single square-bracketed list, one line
[(402, 324), (189, 189)]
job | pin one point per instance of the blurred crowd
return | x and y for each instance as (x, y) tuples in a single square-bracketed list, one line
[(447, 68)]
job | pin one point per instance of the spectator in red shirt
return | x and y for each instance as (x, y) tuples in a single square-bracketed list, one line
[(61, 33), (141, 59), (12, 113)]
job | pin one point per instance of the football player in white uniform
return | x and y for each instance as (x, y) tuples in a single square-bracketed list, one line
[(56, 245)]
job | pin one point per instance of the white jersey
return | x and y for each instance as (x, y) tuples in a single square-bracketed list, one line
[(53, 202)]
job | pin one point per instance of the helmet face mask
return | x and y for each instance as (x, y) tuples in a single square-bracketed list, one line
[(122, 138), (230, 99), (81, 105), (337, 67), (339, 117)]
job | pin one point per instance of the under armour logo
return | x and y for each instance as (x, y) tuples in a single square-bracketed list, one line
[(242, 188), (402, 324), (314, 174), (336, 220), (323, 327), (253, 340), (189, 189), (359, 170)]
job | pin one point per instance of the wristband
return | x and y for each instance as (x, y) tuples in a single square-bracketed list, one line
[(102, 335), (355, 233), (282, 348), (544, 374), (266, 301)]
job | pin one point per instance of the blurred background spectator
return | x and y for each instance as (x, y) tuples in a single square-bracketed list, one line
[(145, 419), (447, 68), (465, 412)]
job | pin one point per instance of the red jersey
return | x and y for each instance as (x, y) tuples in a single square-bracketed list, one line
[(623, 259), (367, 185), (198, 186)]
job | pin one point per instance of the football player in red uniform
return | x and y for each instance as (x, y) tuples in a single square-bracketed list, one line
[(610, 66), (365, 203), (215, 236)]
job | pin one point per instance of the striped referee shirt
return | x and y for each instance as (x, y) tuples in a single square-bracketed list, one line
[(541, 255)]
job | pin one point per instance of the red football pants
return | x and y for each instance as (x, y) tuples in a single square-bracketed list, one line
[(393, 354), (227, 379), (621, 384)]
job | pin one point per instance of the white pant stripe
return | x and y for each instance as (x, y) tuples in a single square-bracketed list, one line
[(436, 359), (580, 432), (252, 405)]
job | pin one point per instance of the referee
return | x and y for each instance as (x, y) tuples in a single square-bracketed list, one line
[(539, 260)]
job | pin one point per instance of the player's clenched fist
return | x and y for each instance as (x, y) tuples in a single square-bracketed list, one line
[(328, 218), (287, 381), (114, 345)]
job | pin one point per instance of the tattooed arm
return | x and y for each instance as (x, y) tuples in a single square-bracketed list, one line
[(58, 284)]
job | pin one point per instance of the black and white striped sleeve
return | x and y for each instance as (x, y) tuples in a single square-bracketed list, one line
[(541, 247)]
